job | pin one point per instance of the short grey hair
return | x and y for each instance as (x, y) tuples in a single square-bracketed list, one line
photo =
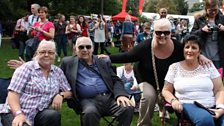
[(36, 5), (80, 39)]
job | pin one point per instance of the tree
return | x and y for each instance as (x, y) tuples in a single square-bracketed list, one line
[(181, 7), (150, 6), (173, 6), (197, 7)]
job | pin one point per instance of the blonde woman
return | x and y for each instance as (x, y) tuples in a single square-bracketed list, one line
[(127, 34)]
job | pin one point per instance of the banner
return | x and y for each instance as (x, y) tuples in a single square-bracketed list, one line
[(124, 2), (140, 7)]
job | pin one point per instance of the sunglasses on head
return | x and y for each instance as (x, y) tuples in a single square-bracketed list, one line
[(159, 33), (84, 46)]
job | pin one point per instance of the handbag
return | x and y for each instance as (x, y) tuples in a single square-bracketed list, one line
[(32, 43), (161, 100), (75, 37)]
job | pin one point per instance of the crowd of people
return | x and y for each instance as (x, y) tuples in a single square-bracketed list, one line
[(159, 57)]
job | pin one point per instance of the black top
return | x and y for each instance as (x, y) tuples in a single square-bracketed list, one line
[(197, 29), (141, 54)]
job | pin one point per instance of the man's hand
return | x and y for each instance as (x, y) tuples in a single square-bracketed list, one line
[(124, 101), (57, 102), (19, 120), (14, 64)]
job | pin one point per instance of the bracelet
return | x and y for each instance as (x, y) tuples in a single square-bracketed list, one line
[(17, 113), (172, 100), (62, 95)]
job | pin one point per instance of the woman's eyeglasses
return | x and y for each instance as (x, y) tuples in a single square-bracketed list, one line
[(84, 46), (159, 33), (46, 52)]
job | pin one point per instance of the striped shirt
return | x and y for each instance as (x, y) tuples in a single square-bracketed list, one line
[(37, 92)]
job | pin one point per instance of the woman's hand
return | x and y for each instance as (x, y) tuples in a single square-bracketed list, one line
[(14, 64), (204, 61), (57, 102), (176, 105), (103, 56), (218, 113), (19, 120)]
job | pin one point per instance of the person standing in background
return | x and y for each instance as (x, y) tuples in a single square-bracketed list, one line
[(127, 34), (210, 28), (73, 30), (1, 33), (91, 28), (21, 36), (84, 26), (34, 17), (146, 34), (99, 36), (42, 29), (60, 36)]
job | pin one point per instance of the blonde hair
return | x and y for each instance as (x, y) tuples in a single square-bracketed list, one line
[(163, 22), (128, 18)]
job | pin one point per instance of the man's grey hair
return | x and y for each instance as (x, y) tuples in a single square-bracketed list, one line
[(36, 5)]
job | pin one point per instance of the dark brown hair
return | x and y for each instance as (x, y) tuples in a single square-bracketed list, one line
[(211, 4), (43, 9)]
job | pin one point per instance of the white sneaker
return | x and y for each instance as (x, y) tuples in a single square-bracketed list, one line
[(59, 59)]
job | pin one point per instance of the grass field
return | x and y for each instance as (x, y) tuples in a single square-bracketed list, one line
[(69, 118)]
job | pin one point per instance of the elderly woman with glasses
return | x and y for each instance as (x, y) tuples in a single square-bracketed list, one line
[(37, 90), (166, 51)]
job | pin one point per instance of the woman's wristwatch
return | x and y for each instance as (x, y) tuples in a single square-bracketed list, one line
[(220, 106), (62, 95)]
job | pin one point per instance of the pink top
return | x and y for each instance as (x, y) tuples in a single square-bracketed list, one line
[(46, 27)]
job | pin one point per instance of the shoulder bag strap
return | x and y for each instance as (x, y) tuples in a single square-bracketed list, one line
[(154, 67)]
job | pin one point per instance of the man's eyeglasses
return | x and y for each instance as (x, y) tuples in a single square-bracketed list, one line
[(163, 12), (86, 46), (159, 33), (46, 52)]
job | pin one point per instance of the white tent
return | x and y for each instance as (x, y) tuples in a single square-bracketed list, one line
[(155, 16)]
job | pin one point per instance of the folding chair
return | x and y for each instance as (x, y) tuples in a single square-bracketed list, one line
[(181, 120), (4, 83)]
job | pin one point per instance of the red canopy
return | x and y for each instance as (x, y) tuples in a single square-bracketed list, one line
[(121, 16)]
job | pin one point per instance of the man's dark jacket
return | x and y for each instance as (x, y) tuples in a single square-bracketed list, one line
[(69, 65)]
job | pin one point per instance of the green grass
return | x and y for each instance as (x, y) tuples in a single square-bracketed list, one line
[(69, 118)]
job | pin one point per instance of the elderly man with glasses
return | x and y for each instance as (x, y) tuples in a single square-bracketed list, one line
[(96, 89)]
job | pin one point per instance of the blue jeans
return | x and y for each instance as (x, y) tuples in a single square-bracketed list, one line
[(200, 117)]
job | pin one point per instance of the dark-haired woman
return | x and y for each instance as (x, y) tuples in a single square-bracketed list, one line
[(193, 82)]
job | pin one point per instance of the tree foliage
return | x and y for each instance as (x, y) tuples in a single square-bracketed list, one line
[(173, 6), (14, 9)]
